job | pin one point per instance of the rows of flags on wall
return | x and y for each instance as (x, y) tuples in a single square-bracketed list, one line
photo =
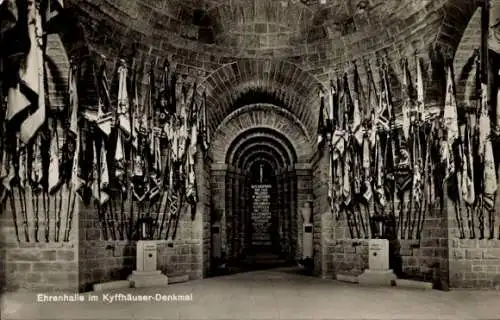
[(133, 159), (381, 170)]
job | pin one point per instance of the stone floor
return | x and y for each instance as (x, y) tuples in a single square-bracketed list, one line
[(268, 294)]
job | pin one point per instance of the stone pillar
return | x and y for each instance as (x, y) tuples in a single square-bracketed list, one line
[(242, 213), (286, 211), (279, 204), (248, 213), (219, 172), (292, 226), (303, 173), (236, 213), (229, 212)]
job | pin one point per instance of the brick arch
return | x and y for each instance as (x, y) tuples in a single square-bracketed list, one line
[(244, 144), (246, 151), (293, 88), (261, 116), (261, 157)]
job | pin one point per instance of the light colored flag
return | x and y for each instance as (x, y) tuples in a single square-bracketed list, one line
[(419, 83), (104, 119), (37, 164), (123, 101), (29, 92), (119, 157), (23, 166), (8, 172), (406, 103), (73, 101), (450, 118), (54, 177), (468, 191), (484, 120), (104, 169), (490, 179), (100, 178), (356, 122)]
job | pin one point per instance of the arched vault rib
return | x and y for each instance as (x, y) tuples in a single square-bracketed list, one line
[(257, 156), (260, 142), (275, 120), (295, 88), (261, 136), (268, 149)]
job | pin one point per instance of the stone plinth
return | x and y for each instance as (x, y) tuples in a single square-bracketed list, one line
[(146, 273), (147, 279), (378, 272)]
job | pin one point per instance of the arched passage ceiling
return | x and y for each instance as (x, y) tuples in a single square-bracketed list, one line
[(260, 118), (249, 82)]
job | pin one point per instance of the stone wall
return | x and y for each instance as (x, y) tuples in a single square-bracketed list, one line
[(104, 260), (37, 265)]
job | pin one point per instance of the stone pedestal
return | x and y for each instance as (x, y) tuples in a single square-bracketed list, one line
[(146, 273), (378, 272)]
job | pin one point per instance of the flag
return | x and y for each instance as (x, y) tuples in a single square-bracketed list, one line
[(119, 157), (77, 182), (104, 117), (7, 172), (420, 92), (384, 112), (406, 101), (373, 100), (23, 166), (156, 167), (331, 198), (100, 177), (494, 32), (321, 121), (468, 191), (123, 101), (26, 98), (332, 105), (140, 185), (490, 179), (450, 119), (54, 178), (37, 171), (72, 133), (357, 130), (368, 192)]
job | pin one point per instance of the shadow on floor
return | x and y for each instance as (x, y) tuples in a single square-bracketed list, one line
[(259, 261)]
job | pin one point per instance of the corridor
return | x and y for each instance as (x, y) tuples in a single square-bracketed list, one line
[(268, 294)]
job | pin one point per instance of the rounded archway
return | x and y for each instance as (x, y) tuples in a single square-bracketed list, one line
[(255, 152)]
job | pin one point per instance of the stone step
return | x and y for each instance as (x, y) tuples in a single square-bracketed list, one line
[(403, 283), (120, 284), (347, 278), (178, 279)]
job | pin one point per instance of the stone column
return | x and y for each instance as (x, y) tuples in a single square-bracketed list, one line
[(219, 172), (303, 173), (236, 213), (293, 231), (279, 203), (286, 211), (243, 213), (229, 212)]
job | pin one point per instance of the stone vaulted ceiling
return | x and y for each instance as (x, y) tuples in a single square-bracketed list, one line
[(244, 49)]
